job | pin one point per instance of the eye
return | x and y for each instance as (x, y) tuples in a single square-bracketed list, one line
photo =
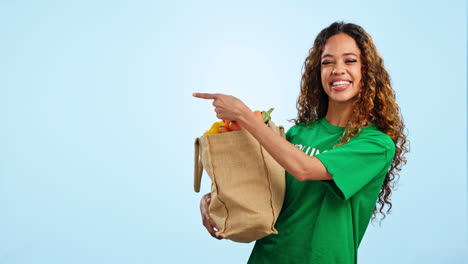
[(326, 62), (351, 61)]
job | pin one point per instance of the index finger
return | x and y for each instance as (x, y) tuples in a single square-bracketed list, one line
[(205, 95)]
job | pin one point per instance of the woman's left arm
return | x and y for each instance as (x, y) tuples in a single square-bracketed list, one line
[(292, 159)]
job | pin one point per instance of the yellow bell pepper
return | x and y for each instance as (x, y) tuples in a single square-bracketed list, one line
[(214, 128)]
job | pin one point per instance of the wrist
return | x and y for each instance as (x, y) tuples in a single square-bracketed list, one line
[(245, 117)]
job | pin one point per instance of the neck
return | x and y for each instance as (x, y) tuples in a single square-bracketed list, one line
[(338, 114)]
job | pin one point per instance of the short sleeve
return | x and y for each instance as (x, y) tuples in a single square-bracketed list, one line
[(357, 163)]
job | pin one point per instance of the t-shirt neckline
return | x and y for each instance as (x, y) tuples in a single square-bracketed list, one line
[(323, 121)]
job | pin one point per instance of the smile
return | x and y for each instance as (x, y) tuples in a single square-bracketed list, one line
[(340, 85)]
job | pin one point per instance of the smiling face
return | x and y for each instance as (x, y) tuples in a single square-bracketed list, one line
[(341, 69)]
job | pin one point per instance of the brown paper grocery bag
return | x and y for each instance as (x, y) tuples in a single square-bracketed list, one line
[(248, 185)]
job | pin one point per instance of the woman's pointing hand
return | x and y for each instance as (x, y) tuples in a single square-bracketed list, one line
[(227, 107)]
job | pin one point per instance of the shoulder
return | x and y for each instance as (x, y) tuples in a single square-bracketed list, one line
[(298, 128), (373, 136), (372, 133)]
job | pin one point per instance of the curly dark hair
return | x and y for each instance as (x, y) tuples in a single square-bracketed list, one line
[(375, 102)]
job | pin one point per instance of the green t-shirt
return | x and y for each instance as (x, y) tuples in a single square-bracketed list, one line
[(323, 222)]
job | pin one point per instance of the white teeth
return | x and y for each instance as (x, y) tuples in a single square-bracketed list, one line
[(340, 83)]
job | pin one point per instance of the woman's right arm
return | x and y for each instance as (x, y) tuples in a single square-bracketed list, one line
[(207, 221), (300, 165)]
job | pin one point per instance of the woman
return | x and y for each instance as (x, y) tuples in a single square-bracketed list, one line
[(342, 155)]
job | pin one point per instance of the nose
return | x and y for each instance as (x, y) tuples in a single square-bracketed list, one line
[(339, 69)]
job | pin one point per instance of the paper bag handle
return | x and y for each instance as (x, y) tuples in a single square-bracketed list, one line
[(281, 129), (198, 168)]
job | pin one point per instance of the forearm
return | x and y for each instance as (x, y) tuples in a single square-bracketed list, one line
[(292, 159)]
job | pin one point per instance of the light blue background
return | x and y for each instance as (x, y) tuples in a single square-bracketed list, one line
[(98, 122)]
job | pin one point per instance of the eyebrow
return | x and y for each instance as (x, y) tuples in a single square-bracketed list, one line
[(344, 54)]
